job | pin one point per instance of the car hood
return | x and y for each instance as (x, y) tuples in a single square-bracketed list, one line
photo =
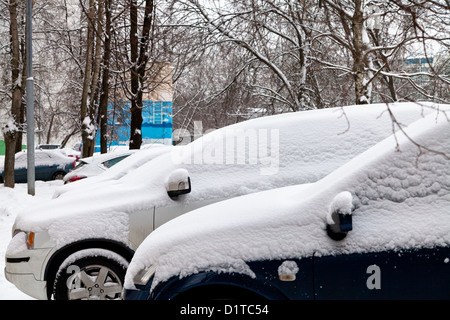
[(291, 222), (100, 212)]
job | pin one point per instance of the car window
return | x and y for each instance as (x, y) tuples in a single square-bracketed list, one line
[(80, 164), (112, 162)]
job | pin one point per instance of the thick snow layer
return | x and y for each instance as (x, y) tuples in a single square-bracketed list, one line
[(250, 156), (401, 199), (11, 201), (342, 203)]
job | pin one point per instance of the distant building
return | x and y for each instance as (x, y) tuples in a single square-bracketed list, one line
[(419, 65), (157, 125)]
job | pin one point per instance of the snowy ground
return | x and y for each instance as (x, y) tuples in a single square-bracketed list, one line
[(10, 201)]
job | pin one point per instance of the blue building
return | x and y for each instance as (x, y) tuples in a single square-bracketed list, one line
[(156, 125)]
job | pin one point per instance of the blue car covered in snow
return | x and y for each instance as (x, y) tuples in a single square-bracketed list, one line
[(378, 227), (49, 165)]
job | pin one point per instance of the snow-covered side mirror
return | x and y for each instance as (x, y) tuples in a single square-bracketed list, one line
[(178, 183), (339, 218)]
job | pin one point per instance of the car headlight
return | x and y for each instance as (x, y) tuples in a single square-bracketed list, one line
[(29, 237), (144, 276), (30, 240)]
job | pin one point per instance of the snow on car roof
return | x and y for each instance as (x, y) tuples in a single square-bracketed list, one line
[(279, 150), (290, 149), (401, 199)]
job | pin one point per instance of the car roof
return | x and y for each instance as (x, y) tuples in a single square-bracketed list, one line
[(392, 185), (291, 148)]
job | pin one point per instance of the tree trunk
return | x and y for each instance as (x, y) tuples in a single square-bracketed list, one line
[(139, 64), (104, 96), (23, 106), (359, 62), (86, 121), (10, 131), (136, 111), (50, 128)]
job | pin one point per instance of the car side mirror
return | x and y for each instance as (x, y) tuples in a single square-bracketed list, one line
[(178, 183), (339, 218)]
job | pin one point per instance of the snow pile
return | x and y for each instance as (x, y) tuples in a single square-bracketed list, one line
[(10, 126), (401, 200), (342, 203), (288, 268), (17, 244), (12, 200)]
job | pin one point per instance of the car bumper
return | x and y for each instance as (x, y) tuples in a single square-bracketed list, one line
[(26, 271)]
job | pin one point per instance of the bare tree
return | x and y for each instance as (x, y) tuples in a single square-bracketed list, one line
[(139, 58), (378, 34), (12, 127), (87, 123), (104, 96)]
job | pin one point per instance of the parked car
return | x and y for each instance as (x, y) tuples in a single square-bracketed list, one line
[(376, 228), (120, 169), (49, 165), (95, 228), (98, 163)]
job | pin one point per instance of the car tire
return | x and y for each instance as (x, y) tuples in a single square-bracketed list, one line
[(97, 277), (58, 175)]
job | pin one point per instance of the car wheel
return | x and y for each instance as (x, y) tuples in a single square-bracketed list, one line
[(58, 175), (98, 277)]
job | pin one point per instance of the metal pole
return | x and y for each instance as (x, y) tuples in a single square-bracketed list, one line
[(30, 104)]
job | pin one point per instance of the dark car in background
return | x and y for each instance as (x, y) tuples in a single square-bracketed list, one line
[(49, 165)]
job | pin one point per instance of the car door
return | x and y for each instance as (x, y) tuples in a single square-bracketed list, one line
[(43, 166), (401, 274), (177, 208)]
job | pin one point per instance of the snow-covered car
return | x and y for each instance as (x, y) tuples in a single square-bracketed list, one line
[(376, 228), (78, 245), (98, 163), (120, 169), (49, 165)]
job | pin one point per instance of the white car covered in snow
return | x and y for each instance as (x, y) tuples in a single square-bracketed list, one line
[(78, 245), (116, 170), (98, 163), (376, 228)]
